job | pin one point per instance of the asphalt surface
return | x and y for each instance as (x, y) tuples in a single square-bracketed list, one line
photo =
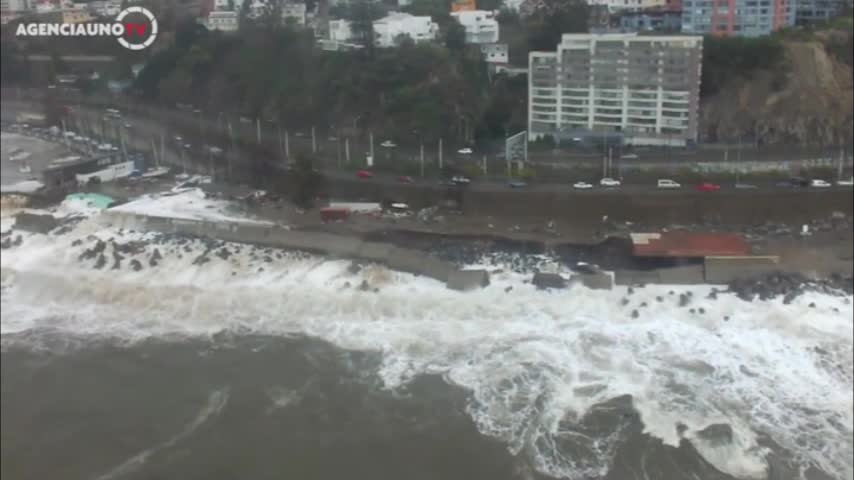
[(141, 127)]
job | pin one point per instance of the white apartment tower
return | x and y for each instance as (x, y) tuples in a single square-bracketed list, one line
[(642, 89)]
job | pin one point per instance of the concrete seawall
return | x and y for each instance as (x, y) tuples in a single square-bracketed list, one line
[(396, 258)]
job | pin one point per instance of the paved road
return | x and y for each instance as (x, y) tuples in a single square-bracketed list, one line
[(142, 132)]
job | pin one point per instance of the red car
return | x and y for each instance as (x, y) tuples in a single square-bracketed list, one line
[(708, 187), (364, 174), (404, 179)]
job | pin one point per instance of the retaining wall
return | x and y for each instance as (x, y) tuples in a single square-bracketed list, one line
[(684, 275), (727, 269), (397, 258)]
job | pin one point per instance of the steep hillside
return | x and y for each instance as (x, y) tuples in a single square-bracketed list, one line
[(804, 98)]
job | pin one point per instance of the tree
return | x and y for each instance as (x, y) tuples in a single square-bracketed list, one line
[(455, 36), (306, 182), (552, 18)]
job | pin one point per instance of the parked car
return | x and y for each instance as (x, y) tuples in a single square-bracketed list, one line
[(708, 187), (465, 151), (461, 180), (629, 156), (609, 182), (846, 183), (817, 182), (799, 182), (745, 186), (582, 185), (388, 144), (516, 184), (667, 183), (364, 174), (404, 179)]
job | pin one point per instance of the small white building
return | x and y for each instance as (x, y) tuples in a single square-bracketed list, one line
[(339, 31), (389, 29), (481, 26), (495, 53), (293, 13), (223, 21)]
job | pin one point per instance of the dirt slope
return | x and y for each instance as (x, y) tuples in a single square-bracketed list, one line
[(807, 100)]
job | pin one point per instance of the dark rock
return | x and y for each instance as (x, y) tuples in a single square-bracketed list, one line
[(624, 301), (62, 230), (102, 260), (684, 300), (790, 297), (17, 241), (635, 314), (201, 260), (692, 310), (77, 243), (364, 287), (354, 268), (701, 310), (267, 259), (643, 304), (713, 296), (6, 243), (135, 265), (671, 292), (35, 222), (548, 280), (659, 299), (726, 318), (508, 289), (717, 434), (260, 269), (812, 305), (223, 253), (630, 290)]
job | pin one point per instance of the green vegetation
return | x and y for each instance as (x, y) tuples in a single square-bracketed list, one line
[(725, 58), (426, 91)]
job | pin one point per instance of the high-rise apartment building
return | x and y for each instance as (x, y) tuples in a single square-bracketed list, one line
[(748, 18), (811, 11), (641, 89)]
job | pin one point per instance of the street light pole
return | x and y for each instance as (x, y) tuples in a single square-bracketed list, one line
[(440, 154), (422, 160), (313, 141), (347, 150)]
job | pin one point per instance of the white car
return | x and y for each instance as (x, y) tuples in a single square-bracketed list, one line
[(461, 179), (465, 151), (667, 183), (388, 144), (629, 156), (609, 182), (817, 182), (582, 185), (846, 183)]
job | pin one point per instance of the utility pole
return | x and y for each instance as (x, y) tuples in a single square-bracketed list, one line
[(233, 149), (347, 150), (287, 145), (281, 148), (485, 173), (422, 160), (440, 155), (161, 147), (258, 129), (154, 154), (841, 161), (313, 141), (371, 138), (339, 153)]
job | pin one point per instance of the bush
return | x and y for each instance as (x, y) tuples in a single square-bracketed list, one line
[(527, 174)]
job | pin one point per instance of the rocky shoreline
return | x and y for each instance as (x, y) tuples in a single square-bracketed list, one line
[(525, 257)]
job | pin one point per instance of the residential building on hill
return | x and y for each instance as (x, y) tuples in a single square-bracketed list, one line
[(223, 21), (747, 18), (481, 26), (389, 30), (811, 11), (640, 90)]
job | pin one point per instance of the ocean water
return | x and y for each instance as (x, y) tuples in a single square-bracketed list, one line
[(249, 368)]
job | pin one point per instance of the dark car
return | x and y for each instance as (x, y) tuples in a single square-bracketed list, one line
[(799, 182)]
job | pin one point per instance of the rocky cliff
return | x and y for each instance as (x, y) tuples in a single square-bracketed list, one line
[(804, 99)]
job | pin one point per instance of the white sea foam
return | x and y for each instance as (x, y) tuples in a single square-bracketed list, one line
[(535, 362)]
